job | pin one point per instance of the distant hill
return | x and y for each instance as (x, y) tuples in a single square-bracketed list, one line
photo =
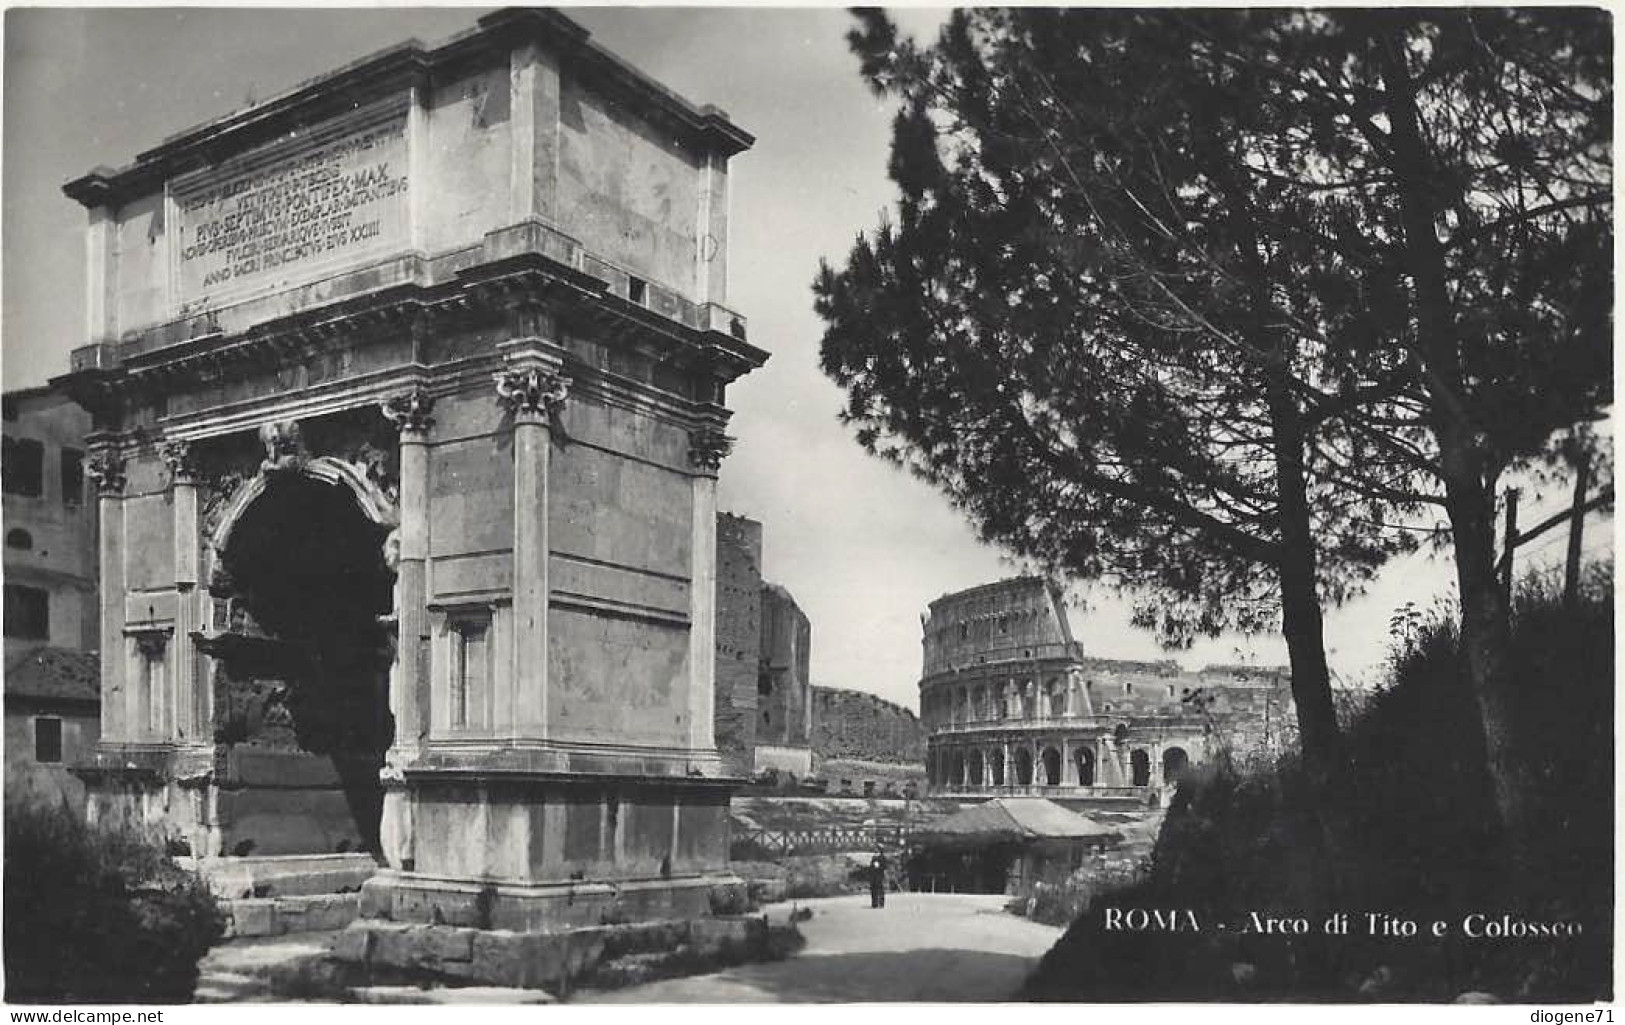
[(853, 724)]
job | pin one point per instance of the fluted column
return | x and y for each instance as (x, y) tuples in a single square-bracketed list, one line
[(533, 389), (409, 686), (187, 724), (106, 468), (707, 447)]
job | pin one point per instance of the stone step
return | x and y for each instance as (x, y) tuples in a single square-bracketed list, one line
[(277, 916), (636, 969), (219, 987), (450, 995)]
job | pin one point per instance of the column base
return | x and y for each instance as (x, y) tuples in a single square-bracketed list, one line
[(397, 897), (555, 959)]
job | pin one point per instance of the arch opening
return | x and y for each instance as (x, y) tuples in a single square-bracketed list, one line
[(1140, 767), (1052, 767), (995, 763), (1085, 761), (1024, 767), (302, 678), (1175, 763), (974, 767)]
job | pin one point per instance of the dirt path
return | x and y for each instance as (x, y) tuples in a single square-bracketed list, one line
[(919, 947)]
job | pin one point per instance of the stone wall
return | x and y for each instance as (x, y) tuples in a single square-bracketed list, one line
[(853, 724), (784, 688), (739, 631)]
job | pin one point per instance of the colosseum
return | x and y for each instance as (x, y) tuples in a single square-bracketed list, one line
[(1013, 706)]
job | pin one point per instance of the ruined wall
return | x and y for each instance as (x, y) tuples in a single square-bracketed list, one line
[(855, 724), (1020, 618), (784, 688), (739, 635)]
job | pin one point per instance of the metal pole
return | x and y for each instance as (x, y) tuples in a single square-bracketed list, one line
[(1571, 574), (1511, 543)]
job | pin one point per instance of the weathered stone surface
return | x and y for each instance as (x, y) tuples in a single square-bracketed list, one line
[(739, 639), (453, 996), (445, 526), (856, 724), (251, 917), (710, 937), (1013, 704)]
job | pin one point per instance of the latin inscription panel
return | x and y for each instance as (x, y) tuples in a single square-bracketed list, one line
[(330, 197)]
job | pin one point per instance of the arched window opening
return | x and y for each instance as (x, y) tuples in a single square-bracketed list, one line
[(975, 767), (995, 763), (1085, 760), (1175, 763), (1052, 767), (1024, 767), (1140, 765)]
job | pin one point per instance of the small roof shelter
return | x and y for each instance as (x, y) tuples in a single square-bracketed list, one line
[(999, 845), (1015, 820)]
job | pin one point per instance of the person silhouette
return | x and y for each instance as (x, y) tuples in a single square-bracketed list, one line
[(877, 881)]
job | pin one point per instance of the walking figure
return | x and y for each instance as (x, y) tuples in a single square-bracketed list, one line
[(877, 881)]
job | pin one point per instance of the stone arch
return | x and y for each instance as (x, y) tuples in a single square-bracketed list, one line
[(1140, 767), (995, 764), (374, 504), (979, 708), (1051, 760), (1024, 767), (956, 769), (1056, 692), (1084, 759), (975, 768), (1175, 762)]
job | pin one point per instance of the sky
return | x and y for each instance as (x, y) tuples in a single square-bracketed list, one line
[(862, 546)]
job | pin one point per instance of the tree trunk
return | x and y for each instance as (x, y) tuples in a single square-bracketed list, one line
[(1301, 622), (1486, 644), (1486, 631), (1296, 562)]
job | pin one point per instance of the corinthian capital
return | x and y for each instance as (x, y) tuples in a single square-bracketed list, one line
[(708, 447), (533, 391), (409, 411), (181, 458), (106, 468)]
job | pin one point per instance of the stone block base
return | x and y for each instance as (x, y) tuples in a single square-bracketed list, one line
[(278, 916), (555, 961), (288, 875), (537, 907)]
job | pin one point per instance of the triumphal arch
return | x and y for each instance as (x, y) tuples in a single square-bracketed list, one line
[(408, 388)]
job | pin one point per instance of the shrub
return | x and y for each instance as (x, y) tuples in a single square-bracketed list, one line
[(98, 915), (1061, 901), (1410, 828)]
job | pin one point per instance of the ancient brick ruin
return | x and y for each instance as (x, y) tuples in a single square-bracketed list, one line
[(764, 706), (1014, 706)]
